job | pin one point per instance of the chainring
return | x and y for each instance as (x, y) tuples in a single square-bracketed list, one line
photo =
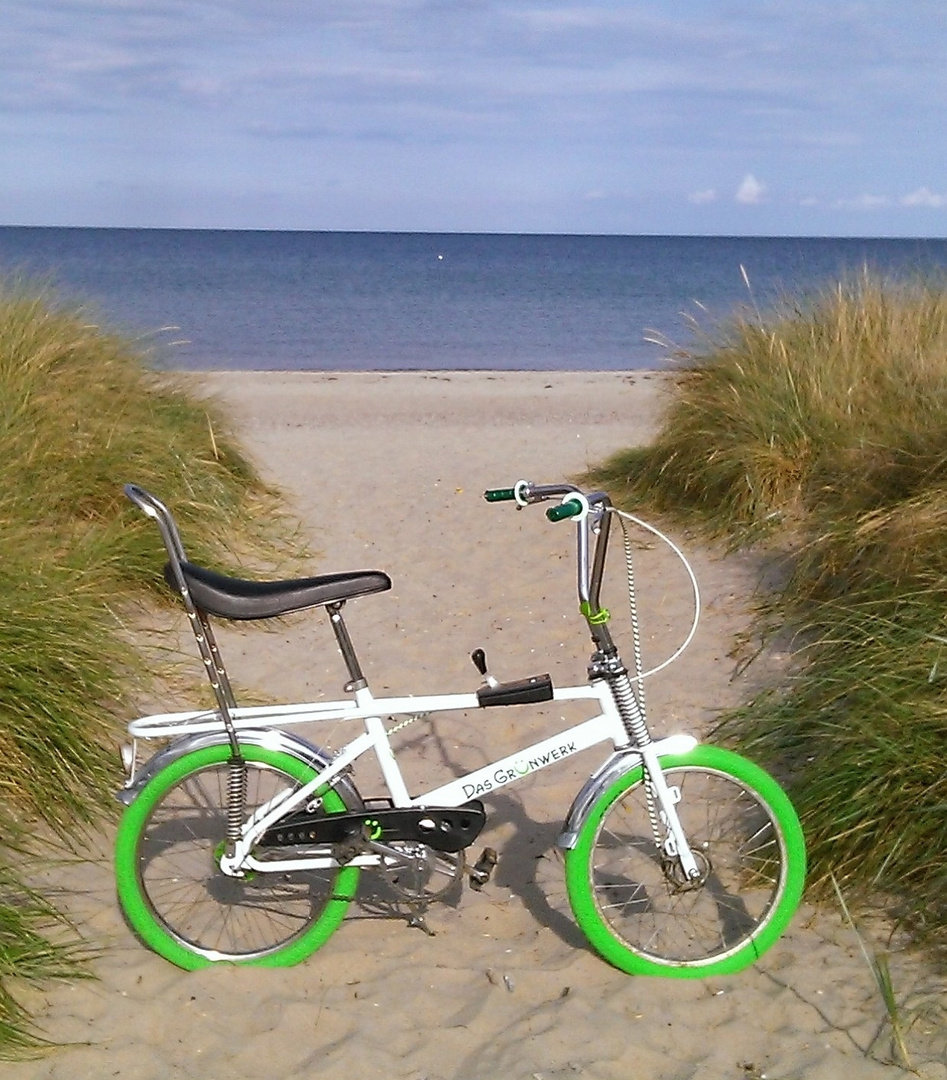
[(422, 874)]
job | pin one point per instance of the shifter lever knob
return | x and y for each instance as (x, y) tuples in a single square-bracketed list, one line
[(479, 658)]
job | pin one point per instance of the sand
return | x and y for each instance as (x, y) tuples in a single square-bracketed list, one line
[(386, 471)]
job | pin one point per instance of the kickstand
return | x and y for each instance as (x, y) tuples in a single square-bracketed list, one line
[(416, 918)]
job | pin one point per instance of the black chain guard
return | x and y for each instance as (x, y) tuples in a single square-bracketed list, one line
[(442, 828)]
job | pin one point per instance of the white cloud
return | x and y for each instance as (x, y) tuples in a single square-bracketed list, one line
[(864, 202), (924, 197), (489, 112), (751, 191)]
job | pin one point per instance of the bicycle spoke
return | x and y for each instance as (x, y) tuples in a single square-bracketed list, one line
[(676, 921), (193, 900)]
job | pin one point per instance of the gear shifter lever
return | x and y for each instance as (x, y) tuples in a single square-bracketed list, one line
[(479, 658)]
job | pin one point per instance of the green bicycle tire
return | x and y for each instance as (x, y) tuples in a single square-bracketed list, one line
[(607, 870), (148, 814)]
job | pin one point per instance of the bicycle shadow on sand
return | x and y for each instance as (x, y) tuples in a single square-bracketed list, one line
[(529, 863)]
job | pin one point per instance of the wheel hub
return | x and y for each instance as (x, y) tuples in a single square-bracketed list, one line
[(679, 882)]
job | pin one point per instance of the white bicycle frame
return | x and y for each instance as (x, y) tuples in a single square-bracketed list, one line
[(605, 727), (229, 719)]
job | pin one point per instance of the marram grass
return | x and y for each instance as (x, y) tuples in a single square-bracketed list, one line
[(822, 430), (36, 944), (837, 403), (80, 414)]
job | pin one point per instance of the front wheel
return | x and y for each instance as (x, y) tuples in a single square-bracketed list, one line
[(630, 900), (173, 892)]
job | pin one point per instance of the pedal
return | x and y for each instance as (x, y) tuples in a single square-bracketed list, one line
[(482, 870)]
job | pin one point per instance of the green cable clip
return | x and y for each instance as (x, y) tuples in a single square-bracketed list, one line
[(595, 618)]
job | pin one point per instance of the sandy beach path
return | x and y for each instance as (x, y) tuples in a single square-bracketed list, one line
[(386, 471)]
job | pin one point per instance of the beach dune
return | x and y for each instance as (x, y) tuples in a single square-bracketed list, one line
[(386, 471)]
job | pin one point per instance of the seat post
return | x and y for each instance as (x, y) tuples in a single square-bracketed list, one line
[(357, 680)]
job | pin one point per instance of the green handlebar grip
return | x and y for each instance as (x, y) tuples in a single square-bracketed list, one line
[(568, 509), (499, 495)]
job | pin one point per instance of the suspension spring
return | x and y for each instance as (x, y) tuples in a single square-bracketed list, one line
[(632, 716), (629, 708), (236, 797)]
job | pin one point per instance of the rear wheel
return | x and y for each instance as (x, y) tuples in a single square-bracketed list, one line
[(172, 890), (631, 901)]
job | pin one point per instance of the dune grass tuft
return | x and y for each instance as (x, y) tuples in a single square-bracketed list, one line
[(36, 944), (821, 430), (80, 414)]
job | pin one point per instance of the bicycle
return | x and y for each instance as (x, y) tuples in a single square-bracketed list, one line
[(242, 842)]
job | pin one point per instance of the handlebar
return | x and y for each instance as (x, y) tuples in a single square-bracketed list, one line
[(570, 508), (524, 493), (590, 511)]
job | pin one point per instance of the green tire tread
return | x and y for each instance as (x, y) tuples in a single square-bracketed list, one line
[(611, 948), (134, 902)]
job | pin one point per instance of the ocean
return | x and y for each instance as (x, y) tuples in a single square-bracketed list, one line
[(204, 300)]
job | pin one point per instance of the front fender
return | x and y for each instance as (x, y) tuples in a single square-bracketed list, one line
[(270, 738), (621, 762)]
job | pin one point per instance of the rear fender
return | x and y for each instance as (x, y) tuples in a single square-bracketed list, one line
[(270, 739)]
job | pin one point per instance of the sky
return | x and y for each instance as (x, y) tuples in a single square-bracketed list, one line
[(749, 117)]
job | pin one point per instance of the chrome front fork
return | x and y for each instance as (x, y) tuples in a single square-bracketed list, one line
[(662, 798)]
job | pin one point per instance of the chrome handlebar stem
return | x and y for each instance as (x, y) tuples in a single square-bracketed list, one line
[(594, 518)]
